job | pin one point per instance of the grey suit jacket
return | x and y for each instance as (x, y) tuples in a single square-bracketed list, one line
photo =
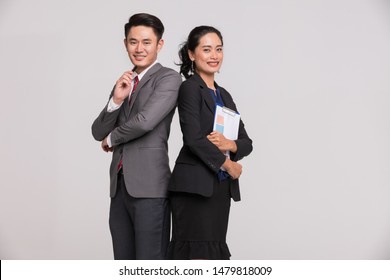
[(139, 133)]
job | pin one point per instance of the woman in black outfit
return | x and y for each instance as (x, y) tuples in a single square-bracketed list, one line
[(203, 180)]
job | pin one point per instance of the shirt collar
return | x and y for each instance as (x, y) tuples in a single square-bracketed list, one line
[(140, 75)]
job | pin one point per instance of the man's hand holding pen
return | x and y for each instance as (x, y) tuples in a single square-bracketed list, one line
[(123, 87)]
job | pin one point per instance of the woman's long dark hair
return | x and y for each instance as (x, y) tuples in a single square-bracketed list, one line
[(187, 67)]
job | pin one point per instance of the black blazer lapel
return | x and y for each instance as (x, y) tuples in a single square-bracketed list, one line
[(227, 100), (208, 99), (205, 93)]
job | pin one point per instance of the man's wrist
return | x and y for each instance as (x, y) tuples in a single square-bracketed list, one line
[(112, 106), (117, 101)]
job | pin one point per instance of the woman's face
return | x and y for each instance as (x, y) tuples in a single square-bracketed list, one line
[(208, 55)]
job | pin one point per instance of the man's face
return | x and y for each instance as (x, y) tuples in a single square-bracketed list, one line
[(142, 46)]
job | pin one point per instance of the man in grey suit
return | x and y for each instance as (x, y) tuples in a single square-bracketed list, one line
[(135, 126)]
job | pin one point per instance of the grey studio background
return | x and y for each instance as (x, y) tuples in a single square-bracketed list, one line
[(312, 82)]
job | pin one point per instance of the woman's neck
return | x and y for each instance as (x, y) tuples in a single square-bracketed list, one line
[(208, 79)]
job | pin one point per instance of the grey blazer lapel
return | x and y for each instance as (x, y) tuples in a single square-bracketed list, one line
[(141, 83), (126, 106)]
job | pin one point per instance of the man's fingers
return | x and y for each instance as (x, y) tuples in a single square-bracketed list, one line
[(126, 78)]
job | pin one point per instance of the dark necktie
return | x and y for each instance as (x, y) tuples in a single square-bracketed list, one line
[(136, 80), (134, 87)]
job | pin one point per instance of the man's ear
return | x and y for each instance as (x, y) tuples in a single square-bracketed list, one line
[(160, 44)]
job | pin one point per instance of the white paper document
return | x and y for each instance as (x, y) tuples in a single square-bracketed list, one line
[(227, 122)]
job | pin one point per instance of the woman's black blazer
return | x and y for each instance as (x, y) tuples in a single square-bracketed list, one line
[(199, 160)]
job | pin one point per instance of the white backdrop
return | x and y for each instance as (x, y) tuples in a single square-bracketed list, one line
[(310, 78)]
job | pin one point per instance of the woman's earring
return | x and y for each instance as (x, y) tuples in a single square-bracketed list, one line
[(192, 66)]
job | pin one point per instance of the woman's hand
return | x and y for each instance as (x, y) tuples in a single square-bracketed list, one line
[(221, 142), (233, 168)]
